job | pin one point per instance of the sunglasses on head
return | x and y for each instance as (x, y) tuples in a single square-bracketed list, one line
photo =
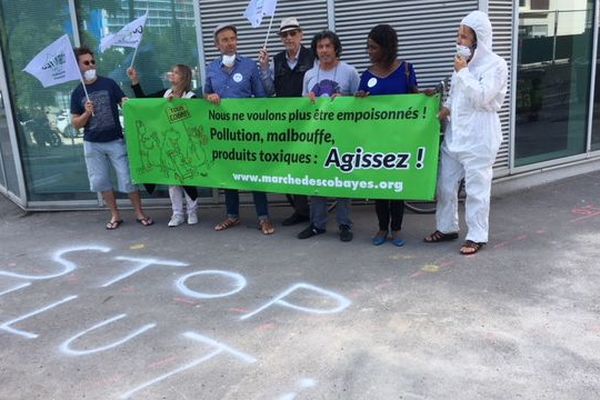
[(288, 33), (89, 62)]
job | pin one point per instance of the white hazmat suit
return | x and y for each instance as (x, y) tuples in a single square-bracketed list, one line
[(473, 135)]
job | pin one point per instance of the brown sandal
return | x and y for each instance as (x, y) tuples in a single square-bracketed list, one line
[(266, 227), (471, 247), (438, 236), (228, 223)]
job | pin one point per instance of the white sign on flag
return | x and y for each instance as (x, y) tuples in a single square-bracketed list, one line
[(55, 64), (129, 36), (257, 9)]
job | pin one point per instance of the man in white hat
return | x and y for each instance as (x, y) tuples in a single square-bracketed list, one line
[(284, 79), (473, 134)]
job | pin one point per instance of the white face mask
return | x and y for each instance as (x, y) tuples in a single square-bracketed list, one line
[(463, 51), (228, 61), (89, 75)]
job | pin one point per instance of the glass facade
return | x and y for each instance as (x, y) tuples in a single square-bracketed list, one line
[(51, 150), (595, 142), (8, 173), (553, 79), (169, 38)]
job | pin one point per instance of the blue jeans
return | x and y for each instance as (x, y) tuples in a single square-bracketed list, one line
[(99, 157), (232, 204), (318, 212)]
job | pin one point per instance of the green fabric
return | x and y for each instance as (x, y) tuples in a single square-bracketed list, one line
[(383, 147)]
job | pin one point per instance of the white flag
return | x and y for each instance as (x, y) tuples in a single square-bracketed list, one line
[(129, 36), (55, 64), (257, 9)]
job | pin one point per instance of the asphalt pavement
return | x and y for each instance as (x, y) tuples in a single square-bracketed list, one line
[(190, 313)]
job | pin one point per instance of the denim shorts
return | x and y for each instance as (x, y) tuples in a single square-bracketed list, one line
[(99, 156)]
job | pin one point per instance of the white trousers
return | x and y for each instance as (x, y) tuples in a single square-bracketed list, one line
[(176, 193), (477, 171)]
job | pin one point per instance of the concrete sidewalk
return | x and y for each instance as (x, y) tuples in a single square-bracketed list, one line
[(190, 313)]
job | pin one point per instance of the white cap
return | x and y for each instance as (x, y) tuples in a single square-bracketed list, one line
[(289, 24), (223, 26)]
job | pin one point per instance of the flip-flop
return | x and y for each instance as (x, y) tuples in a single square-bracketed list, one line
[(146, 221), (112, 225)]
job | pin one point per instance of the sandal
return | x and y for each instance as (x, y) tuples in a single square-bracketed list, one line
[(471, 247), (146, 221), (112, 225), (266, 227), (438, 236), (228, 223)]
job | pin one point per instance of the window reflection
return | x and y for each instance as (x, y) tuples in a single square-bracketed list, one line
[(51, 150), (553, 79), (169, 38), (51, 153)]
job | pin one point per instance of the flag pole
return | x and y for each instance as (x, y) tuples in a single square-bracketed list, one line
[(134, 53), (269, 31), (141, 37), (87, 96)]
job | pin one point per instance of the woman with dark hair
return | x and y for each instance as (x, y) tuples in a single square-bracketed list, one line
[(180, 77), (387, 75)]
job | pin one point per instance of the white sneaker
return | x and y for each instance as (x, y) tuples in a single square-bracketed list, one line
[(192, 219), (176, 220)]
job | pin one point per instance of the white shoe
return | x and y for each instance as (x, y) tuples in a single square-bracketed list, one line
[(192, 219), (176, 220)]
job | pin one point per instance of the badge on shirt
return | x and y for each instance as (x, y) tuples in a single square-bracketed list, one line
[(237, 77), (372, 82)]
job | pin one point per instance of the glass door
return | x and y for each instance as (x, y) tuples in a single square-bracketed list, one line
[(554, 69)]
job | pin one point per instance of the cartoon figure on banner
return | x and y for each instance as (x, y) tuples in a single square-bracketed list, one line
[(149, 145), (182, 156), (198, 141), (174, 158)]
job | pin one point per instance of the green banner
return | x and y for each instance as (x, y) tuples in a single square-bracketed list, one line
[(380, 147)]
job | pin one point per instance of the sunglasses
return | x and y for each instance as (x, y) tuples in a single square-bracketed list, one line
[(89, 62), (288, 33)]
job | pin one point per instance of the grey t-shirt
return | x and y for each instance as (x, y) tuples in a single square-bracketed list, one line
[(342, 79)]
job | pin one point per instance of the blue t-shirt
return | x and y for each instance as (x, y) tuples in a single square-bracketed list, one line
[(396, 83), (104, 125)]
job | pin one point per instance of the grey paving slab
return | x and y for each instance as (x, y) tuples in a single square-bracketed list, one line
[(190, 313)]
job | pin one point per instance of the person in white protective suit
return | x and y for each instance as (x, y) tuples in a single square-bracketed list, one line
[(473, 134)]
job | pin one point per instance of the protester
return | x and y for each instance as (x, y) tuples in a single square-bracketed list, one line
[(330, 77), (181, 87), (232, 76), (473, 134), (103, 137), (387, 75), (285, 80)]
